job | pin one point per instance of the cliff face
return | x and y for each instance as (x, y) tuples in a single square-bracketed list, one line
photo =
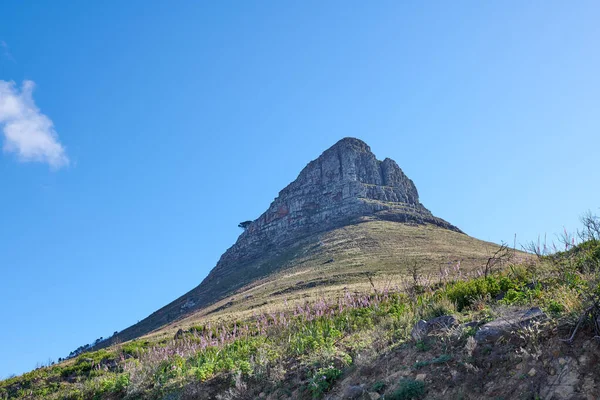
[(345, 183), (343, 186)]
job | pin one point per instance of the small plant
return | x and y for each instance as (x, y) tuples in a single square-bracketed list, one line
[(439, 360), (322, 380), (422, 345), (378, 387), (408, 389), (555, 307)]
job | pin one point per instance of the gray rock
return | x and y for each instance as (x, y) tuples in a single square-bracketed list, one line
[(507, 324), (443, 322), (565, 383), (419, 331), (354, 392), (424, 328)]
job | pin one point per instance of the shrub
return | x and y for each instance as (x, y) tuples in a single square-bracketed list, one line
[(463, 293), (114, 384), (422, 345), (135, 347), (322, 380), (439, 360), (378, 386), (408, 389)]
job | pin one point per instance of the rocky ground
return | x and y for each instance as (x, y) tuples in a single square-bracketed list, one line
[(518, 355)]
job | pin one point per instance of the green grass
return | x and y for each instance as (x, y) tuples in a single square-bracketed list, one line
[(320, 340), (408, 389), (444, 358), (322, 379)]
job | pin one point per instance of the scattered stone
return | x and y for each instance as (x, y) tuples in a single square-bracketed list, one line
[(443, 322), (562, 361), (419, 331), (374, 396), (353, 392), (424, 328), (532, 372), (421, 377), (507, 324), (563, 385)]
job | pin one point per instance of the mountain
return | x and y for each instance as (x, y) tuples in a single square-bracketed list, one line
[(347, 287), (346, 215)]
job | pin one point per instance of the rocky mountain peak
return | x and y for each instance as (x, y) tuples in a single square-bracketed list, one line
[(350, 161), (344, 184)]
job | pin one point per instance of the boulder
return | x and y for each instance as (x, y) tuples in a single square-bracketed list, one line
[(424, 328), (354, 392), (419, 331), (507, 324)]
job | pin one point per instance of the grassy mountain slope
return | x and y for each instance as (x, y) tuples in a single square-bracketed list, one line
[(364, 346), (328, 263)]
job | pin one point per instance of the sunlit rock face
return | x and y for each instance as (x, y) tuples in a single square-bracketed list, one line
[(345, 183)]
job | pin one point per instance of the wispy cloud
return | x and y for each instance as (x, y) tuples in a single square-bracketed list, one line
[(5, 51), (27, 132)]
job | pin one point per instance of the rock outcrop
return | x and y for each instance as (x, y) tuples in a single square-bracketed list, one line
[(345, 183), (508, 324)]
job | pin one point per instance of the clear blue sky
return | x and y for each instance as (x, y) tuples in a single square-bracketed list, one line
[(171, 124)]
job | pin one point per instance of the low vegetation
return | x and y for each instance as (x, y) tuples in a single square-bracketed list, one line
[(306, 349)]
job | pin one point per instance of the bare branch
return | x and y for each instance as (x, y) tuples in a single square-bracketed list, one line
[(502, 255)]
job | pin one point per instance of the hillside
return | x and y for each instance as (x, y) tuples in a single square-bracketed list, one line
[(347, 214), (525, 332), (347, 258), (341, 253)]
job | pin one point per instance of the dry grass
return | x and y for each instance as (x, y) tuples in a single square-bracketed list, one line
[(324, 265)]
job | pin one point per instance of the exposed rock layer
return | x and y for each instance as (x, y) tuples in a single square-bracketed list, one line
[(345, 183)]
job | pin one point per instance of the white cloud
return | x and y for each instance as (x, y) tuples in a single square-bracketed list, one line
[(27, 132)]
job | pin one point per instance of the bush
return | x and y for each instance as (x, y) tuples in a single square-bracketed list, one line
[(322, 380), (135, 347), (439, 360), (463, 293), (555, 307), (408, 389), (378, 386), (116, 384)]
